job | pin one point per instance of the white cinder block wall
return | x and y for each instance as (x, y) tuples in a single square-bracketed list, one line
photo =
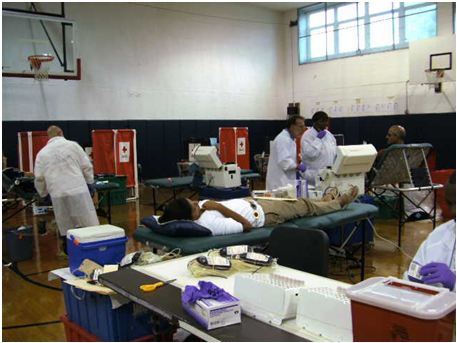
[(213, 61), (373, 84), (163, 61)]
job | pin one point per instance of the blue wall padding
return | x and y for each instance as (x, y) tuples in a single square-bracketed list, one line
[(161, 143)]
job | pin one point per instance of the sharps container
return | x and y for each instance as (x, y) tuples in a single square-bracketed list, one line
[(103, 244), (391, 309)]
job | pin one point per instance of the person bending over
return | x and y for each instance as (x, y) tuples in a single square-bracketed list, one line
[(238, 215), (63, 170)]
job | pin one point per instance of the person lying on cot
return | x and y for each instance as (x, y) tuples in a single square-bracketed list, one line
[(238, 215)]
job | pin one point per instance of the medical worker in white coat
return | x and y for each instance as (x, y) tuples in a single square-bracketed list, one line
[(434, 263), (318, 147), (282, 163), (63, 170)]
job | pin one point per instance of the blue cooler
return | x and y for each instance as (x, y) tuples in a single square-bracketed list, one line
[(103, 244)]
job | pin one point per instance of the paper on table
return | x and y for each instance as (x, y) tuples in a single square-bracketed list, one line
[(108, 268), (62, 273), (82, 284)]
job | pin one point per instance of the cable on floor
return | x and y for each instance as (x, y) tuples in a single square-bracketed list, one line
[(387, 240), (15, 269), (29, 325), (37, 273)]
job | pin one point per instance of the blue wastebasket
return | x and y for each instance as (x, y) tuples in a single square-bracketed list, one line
[(19, 243)]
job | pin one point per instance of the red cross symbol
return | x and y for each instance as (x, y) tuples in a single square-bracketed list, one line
[(124, 149), (241, 143)]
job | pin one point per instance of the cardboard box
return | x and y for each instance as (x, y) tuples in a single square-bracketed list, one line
[(212, 314)]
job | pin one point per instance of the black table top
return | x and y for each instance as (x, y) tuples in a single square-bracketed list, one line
[(166, 301)]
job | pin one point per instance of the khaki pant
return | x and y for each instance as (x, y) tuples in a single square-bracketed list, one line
[(277, 212)]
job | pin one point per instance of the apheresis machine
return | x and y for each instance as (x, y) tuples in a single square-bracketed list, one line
[(217, 174), (351, 164)]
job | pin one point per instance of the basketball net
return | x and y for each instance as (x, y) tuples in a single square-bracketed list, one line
[(434, 76), (435, 79), (39, 65)]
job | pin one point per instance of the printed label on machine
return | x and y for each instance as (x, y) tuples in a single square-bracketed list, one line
[(124, 152)]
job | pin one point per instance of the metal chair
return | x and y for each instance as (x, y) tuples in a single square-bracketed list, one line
[(301, 249)]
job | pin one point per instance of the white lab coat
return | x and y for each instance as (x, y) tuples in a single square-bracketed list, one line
[(317, 153), (438, 247), (63, 170), (282, 163)]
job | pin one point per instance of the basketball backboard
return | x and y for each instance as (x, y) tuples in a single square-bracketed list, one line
[(39, 29), (433, 54)]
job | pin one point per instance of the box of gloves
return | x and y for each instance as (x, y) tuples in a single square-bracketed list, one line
[(211, 306), (103, 244)]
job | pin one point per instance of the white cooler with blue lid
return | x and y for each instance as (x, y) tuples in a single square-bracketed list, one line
[(103, 244)]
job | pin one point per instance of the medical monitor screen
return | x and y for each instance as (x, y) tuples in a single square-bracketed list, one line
[(351, 159), (206, 157), (213, 141)]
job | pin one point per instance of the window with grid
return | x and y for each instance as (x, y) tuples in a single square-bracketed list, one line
[(327, 31)]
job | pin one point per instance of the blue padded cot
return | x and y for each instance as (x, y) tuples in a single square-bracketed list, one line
[(354, 213), (192, 245)]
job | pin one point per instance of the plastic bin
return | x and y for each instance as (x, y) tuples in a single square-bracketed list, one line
[(118, 196), (75, 333), (103, 244), (19, 243), (387, 207), (390, 309), (94, 313)]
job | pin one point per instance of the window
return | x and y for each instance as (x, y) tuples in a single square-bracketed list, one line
[(332, 30)]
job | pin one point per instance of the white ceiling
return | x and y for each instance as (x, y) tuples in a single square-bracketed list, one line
[(281, 6)]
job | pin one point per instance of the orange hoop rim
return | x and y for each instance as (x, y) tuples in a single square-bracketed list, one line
[(40, 58)]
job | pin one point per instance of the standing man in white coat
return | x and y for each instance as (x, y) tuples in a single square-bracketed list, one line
[(434, 263), (282, 164), (318, 147), (64, 171)]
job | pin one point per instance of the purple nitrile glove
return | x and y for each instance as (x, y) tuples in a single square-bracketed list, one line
[(301, 167), (438, 273), (321, 134), (207, 290)]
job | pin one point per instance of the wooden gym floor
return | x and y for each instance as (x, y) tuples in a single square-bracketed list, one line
[(31, 312)]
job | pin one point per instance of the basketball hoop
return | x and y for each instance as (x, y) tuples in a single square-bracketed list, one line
[(38, 66), (435, 78)]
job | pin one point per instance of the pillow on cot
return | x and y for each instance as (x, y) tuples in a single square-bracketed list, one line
[(176, 228)]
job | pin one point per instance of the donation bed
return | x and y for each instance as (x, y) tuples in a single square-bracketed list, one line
[(354, 213)]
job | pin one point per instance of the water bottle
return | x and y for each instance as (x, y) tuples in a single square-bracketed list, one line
[(298, 185)]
